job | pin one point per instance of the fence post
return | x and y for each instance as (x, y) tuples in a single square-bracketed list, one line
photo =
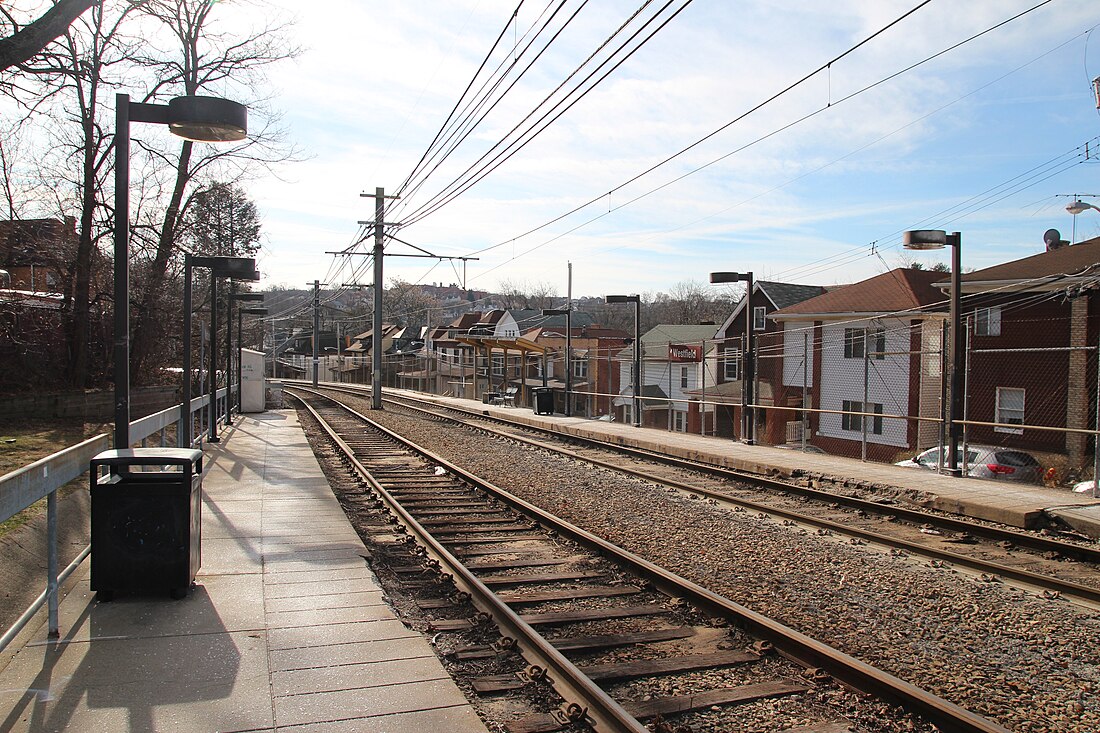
[(966, 399), (805, 416), (51, 563), (863, 409)]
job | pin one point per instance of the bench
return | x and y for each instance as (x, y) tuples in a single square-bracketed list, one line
[(507, 398)]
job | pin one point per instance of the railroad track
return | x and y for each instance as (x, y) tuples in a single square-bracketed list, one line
[(1040, 564), (620, 639)]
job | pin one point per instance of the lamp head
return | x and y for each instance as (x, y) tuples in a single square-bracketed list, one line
[(207, 119), (730, 277), (1079, 207), (922, 239)]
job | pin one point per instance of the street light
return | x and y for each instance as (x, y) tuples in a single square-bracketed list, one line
[(637, 387), (241, 268), (568, 313), (1077, 206), (927, 239), (748, 372), (202, 119)]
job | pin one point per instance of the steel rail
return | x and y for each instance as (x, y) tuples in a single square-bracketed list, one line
[(1020, 539), (567, 680), (947, 716), (1037, 580)]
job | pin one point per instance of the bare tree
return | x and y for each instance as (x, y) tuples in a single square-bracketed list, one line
[(204, 58), (527, 295), (27, 41), (60, 93)]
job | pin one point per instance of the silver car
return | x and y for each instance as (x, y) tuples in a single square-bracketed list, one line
[(1005, 464)]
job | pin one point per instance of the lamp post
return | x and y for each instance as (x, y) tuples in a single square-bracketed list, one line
[(236, 297), (748, 356), (1077, 206), (202, 119), (927, 239), (568, 313), (242, 268), (637, 386)]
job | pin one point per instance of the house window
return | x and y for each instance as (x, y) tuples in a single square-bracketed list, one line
[(498, 366), (854, 423), (733, 365), (987, 322), (758, 318), (685, 377), (855, 339), (580, 368), (679, 421), (1010, 409)]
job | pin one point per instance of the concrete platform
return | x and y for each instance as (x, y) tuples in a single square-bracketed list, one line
[(286, 630), (1014, 504)]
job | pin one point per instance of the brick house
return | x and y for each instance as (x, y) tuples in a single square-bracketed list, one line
[(36, 253), (766, 298), (1033, 327)]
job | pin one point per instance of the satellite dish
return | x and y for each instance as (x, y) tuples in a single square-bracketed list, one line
[(1052, 237)]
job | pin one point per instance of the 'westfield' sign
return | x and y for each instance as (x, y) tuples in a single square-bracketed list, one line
[(684, 352)]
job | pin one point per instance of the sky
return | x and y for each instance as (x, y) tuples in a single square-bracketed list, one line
[(988, 138)]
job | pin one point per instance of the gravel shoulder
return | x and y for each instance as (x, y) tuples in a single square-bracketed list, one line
[(1033, 665)]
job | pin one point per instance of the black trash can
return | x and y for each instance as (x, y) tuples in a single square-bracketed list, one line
[(544, 400), (146, 520)]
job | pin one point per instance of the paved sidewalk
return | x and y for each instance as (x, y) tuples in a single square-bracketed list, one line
[(287, 628)]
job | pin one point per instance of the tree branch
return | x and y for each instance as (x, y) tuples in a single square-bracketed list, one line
[(28, 41)]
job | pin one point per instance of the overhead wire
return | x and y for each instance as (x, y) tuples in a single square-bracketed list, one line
[(490, 161)]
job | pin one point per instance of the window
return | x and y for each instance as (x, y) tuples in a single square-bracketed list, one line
[(685, 377), (856, 338), (855, 422), (580, 368), (498, 366), (987, 322), (679, 421), (1010, 409), (733, 364), (758, 318)]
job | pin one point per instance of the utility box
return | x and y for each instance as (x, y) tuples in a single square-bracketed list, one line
[(253, 381), (544, 400), (146, 520)]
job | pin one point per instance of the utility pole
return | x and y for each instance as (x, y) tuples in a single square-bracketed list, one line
[(569, 342), (316, 327), (376, 340)]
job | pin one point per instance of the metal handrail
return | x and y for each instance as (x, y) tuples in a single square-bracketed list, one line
[(42, 479)]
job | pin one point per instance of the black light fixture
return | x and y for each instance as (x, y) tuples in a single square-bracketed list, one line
[(240, 268), (637, 386), (748, 356), (202, 119), (929, 239)]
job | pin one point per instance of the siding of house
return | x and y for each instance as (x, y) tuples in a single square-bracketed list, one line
[(887, 383)]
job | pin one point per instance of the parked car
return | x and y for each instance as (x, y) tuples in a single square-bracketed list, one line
[(1007, 464)]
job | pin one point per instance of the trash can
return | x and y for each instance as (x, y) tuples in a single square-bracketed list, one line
[(146, 520), (544, 400)]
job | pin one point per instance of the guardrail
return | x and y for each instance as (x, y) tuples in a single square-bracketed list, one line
[(42, 479)]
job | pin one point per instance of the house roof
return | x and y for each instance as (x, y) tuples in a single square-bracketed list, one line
[(1079, 259), (901, 289), (781, 295), (528, 318)]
